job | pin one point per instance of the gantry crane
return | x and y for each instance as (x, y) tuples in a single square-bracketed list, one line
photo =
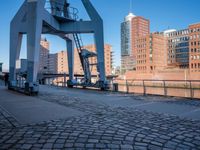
[(56, 17)]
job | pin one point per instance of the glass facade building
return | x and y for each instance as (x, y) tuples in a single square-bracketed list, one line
[(125, 38), (127, 61), (178, 48)]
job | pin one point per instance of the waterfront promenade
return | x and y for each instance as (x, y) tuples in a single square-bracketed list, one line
[(61, 118)]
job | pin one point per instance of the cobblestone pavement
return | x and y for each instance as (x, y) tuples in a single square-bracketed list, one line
[(102, 127)]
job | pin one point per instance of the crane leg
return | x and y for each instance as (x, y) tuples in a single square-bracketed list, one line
[(70, 55)]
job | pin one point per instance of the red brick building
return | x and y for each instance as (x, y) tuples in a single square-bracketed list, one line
[(140, 27), (44, 53), (108, 57), (151, 53), (194, 48)]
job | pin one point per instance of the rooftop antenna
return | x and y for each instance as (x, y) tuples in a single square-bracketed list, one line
[(130, 7)]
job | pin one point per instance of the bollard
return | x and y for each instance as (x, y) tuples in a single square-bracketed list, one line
[(127, 87), (165, 89), (115, 87), (191, 91), (144, 88)]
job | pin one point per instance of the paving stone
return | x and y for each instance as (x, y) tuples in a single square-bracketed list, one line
[(113, 146), (93, 141), (38, 145), (164, 137), (60, 141), (129, 138), (79, 145), (154, 147), (141, 144), (89, 146), (100, 146), (140, 148), (126, 147), (68, 145), (180, 137), (48, 146), (58, 146), (26, 146)]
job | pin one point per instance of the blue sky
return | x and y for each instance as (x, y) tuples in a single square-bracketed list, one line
[(163, 14)]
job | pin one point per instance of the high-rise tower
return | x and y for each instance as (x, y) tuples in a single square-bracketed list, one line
[(126, 43), (132, 28)]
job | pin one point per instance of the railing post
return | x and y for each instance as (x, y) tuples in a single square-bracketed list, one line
[(65, 79), (191, 91), (144, 88), (127, 87), (165, 89)]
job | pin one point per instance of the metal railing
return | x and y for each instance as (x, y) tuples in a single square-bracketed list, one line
[(61, 11), (178, 88)]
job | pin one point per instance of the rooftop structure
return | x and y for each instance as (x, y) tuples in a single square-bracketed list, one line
[(129, 17)]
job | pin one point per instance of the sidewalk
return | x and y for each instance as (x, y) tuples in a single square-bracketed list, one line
[(26, 109)]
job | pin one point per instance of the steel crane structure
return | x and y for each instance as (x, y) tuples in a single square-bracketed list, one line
[(56, 17)]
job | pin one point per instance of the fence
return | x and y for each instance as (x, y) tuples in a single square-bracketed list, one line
[(178, 88)]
